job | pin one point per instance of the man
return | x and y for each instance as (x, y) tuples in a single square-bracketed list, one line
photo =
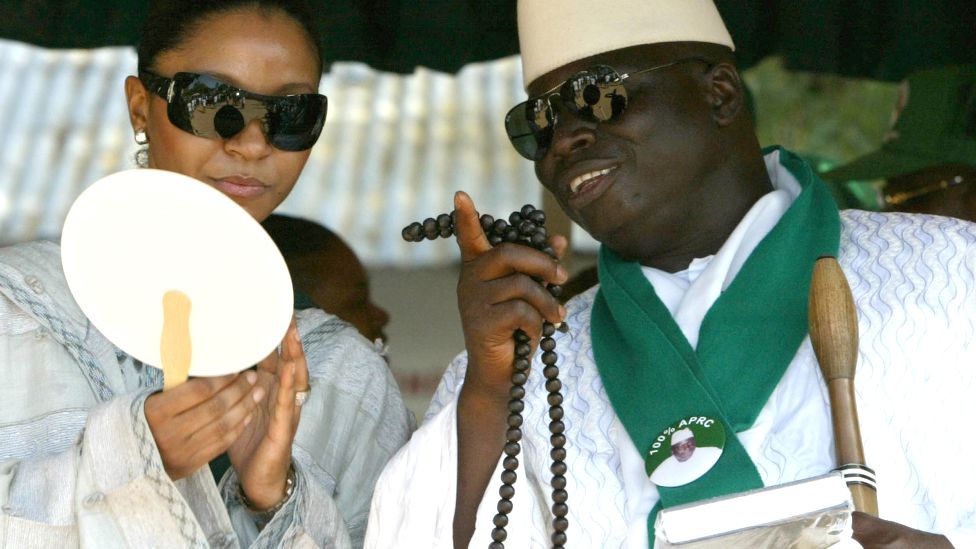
[(707, 252), (928, 159)]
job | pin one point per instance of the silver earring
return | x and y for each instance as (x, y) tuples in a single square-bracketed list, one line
[(141, 137)]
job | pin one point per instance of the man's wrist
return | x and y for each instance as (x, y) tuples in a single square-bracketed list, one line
[(478, 398)]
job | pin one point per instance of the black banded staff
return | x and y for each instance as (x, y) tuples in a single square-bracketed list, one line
[(636, 122)]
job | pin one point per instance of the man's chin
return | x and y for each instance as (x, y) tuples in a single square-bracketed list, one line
[(603, 228)]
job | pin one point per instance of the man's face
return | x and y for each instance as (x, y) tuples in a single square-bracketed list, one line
[(682, 451), (657, 152)]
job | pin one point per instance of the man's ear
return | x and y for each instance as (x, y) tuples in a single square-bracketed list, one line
[(137, 97), (725, 93)]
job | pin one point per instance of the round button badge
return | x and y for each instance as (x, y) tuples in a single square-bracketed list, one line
[(685, 451)]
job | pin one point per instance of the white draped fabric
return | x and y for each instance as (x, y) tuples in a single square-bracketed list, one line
[(914, 284)]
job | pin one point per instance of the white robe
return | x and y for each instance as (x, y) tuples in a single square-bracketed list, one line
[(914, 285)]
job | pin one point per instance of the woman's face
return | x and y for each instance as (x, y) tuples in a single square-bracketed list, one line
[(265, 53)]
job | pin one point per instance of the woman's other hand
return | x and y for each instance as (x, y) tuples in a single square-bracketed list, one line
[(262, 454)]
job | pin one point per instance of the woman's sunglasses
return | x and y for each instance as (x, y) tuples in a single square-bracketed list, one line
[(596, 94), (204, 106)]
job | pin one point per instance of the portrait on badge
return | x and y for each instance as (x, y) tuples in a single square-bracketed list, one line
[(693, 446)]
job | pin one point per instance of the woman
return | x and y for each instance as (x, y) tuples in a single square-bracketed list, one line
[(91, 452)]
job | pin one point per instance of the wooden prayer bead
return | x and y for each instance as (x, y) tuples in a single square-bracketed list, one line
[(524, 226), (559, 481)]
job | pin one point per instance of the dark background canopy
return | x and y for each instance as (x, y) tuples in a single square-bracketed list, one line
[(880, 39)]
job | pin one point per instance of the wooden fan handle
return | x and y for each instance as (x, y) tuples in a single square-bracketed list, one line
[(833, 334), (174, 345)]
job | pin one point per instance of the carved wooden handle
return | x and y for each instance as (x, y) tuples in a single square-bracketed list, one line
[(833, 333), (174, 344)]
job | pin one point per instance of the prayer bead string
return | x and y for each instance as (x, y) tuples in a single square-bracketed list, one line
[(526, 227)]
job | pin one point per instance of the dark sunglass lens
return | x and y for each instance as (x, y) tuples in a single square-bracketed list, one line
[(612, 102), (618, 103), (543, 140), (522, 124), (228, 122), (295, 122), (596, 94), (179, 115), (591, 94)]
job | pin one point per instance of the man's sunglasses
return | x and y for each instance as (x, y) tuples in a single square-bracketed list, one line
[(204, 106), (596, 94)]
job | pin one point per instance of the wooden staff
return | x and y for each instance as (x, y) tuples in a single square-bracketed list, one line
[(833, 333)]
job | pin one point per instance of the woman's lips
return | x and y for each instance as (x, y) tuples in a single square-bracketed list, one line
[(240, 186)]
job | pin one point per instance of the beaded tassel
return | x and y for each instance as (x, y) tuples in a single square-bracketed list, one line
[(526, 227)]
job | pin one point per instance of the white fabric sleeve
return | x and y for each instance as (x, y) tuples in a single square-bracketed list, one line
[(413, 503), (109, 490), (963, 537), (415, 495), (353, 422)]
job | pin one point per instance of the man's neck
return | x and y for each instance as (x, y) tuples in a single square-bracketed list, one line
[(736, 189)]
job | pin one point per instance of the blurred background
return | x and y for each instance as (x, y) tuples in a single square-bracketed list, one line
[(417, 94)]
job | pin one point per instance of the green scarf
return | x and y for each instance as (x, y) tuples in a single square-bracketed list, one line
[(747, 339)]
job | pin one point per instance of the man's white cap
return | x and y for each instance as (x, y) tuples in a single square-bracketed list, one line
[(681, 435), (554, 33)]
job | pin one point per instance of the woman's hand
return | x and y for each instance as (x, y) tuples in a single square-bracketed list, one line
[(875, 533), (198, 420), (262, 454)]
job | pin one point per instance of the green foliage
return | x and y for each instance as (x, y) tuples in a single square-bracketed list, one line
[(830, 119)]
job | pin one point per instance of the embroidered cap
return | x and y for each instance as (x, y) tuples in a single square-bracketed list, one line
[(552, 34), (934, 123)]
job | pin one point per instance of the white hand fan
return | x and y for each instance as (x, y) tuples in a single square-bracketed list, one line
[(136, 236)]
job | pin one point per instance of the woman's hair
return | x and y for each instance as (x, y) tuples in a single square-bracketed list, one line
[(170, 22)]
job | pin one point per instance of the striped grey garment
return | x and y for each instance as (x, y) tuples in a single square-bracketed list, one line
[(914, 285), (79, 464), (34, 301)]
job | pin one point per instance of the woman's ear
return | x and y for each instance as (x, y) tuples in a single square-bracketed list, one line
[(725, 93), (137, 97)]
